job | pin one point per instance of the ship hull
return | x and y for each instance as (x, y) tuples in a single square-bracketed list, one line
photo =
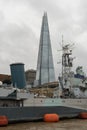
[(19, 114)]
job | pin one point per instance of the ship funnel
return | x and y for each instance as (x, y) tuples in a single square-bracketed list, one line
[(18, 75)]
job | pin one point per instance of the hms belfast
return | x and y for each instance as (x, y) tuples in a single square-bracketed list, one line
[(66, 99)]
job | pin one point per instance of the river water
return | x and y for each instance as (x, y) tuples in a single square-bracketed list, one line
[(70, 124)]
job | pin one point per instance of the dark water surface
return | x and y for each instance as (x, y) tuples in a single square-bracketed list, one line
[(70, 124)]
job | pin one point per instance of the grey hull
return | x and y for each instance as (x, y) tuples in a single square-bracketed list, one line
[(16, 114)]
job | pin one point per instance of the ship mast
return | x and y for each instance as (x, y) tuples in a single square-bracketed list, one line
[(67, 64)]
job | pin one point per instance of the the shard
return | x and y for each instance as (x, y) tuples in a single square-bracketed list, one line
[(45, 68)]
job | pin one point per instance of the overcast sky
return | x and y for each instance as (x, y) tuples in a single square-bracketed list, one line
[(20, 26)]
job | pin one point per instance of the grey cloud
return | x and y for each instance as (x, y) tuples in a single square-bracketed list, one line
[(18, 41), (69, 20), (16, 45)]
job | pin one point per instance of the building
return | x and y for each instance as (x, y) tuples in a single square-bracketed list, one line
[(18, 75), (30, 76), (45, 68), (5, 78)]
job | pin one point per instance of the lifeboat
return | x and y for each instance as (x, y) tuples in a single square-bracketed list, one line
[(3, 121), (51, 117), (83, 115)]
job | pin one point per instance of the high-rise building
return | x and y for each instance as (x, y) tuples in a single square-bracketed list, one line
[(45, 67)]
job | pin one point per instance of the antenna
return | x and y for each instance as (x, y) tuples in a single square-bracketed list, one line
[(62, 41)]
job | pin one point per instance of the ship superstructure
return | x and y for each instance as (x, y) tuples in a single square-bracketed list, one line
[(74, 85)]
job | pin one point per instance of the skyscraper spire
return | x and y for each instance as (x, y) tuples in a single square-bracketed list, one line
[(45, 67)]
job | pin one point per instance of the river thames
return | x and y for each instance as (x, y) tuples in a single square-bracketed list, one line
[(70, 124)]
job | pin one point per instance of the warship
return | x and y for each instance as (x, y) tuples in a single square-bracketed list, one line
[(66, 99)]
